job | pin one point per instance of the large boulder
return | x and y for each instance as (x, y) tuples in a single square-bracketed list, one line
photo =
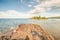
[(30, 32)]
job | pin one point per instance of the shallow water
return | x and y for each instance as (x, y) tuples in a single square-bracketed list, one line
[(8, 23), (51, 25)]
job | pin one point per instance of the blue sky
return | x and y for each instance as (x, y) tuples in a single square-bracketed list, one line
[(28, 8), (15, 5)]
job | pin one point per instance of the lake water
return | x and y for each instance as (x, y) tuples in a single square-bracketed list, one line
[(51, 25)]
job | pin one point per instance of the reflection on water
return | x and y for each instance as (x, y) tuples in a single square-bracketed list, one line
[(51, 25)]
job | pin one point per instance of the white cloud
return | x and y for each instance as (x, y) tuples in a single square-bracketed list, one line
[(30, 5), (45, 5), (50, 14), (14, 14), (42, 7)]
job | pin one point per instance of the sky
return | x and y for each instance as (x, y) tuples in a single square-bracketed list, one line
[(29, 8)]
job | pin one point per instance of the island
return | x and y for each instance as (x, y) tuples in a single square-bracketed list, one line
[(44, 18), (39, 18), (55, 17)]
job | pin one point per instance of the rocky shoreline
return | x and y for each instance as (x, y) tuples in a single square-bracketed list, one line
[(27, 32)]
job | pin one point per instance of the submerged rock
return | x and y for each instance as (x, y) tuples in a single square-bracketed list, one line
[(29, 32)]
